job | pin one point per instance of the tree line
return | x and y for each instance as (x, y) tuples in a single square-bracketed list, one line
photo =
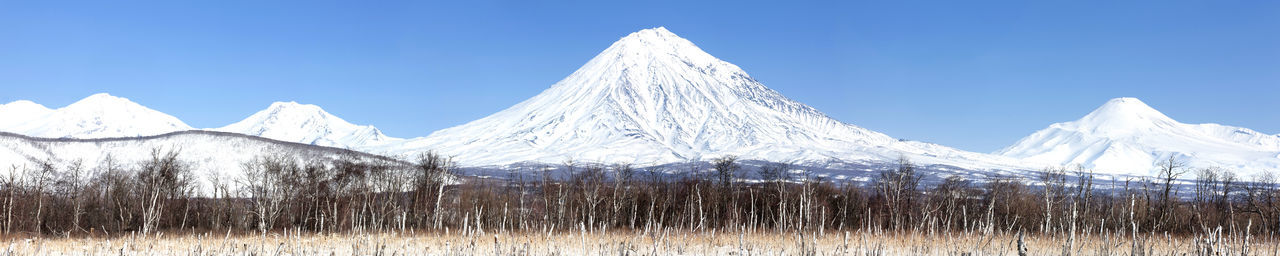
[(278, 193)]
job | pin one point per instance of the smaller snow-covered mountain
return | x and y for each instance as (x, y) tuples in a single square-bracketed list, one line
[(211, 155), (105, 116), (1126, 136), (307, 124), (20, 112), (97, 116)]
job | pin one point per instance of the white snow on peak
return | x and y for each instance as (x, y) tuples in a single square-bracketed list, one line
[(104, 116), (654, 98), (656, 43), (1125, 115), (1126, 136), (97, 116), (308, 124), (20, 112)]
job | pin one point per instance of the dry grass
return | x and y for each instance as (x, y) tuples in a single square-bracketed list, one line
[(634, 243)]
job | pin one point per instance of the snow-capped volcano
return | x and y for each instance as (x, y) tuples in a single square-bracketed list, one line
[(308, 124), (653, 98), (1127, 136), (97, 116)]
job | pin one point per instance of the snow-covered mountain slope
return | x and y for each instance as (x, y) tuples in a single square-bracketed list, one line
[(654, 98), (307, 124), (1125, 136), (209, 153), (20, 112), (97, 116)]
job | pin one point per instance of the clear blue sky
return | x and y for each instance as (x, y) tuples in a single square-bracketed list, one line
[(976, 76)]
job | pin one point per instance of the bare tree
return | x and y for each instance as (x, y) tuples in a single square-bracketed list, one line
[(162, 179), (41, 179), (951, 197), (1206, 185), (726, 167), (726, 204), (11, 184), (265, 182), (590, 183), (622, 174), (433, 172), (120, 194), (1053, 182), (1084, 188), (72, 186), (1260, 197), (779, 174), (1170, 170), (222, 197), (1227, 181), (899, 188)]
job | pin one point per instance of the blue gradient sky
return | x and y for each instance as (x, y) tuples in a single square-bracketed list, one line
[(976, 76)]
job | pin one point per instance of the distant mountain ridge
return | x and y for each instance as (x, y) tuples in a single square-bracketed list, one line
[(105, 116), (1125, 135), (97, 116), (309, 124)]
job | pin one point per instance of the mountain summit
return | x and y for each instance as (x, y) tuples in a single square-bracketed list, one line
[(19, 112), (1125, 115), (308, 124), (97, 116), (1127, 136), (654, 98)]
